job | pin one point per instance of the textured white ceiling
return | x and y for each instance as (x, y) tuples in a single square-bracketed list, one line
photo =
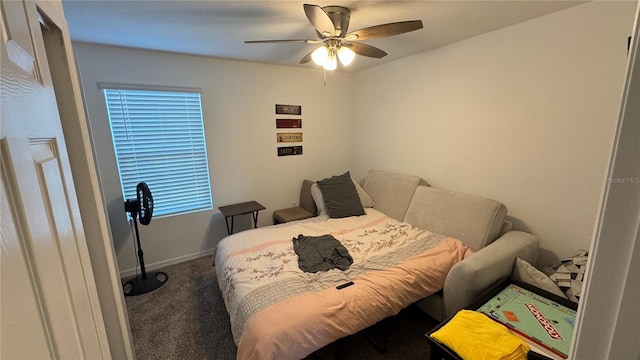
[(219, 28)]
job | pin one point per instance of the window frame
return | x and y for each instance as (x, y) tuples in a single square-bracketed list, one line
[(199, 172)]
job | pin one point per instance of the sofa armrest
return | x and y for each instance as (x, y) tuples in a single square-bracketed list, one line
[(470, 277)]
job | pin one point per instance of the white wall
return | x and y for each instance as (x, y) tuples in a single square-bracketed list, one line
[(524, 115), (238, 100)]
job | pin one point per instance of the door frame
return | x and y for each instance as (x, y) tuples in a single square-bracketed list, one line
[(102, 257), (605, 324)]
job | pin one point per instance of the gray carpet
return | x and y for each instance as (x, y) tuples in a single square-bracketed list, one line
[(186, 319)]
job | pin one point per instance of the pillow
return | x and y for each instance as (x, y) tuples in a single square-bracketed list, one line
[(340, 196), (317, 198), (569, 274), (365, 199), (525, 272)]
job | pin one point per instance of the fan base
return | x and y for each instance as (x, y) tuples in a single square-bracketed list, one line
[(139, 286)]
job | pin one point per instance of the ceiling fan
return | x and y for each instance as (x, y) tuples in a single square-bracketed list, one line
[(331, 24)]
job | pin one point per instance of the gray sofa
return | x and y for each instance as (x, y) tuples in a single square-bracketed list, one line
[(478, 222)]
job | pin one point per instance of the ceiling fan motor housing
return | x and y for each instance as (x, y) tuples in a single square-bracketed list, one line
[(340, 17)]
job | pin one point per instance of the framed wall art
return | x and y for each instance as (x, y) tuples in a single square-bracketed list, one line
[(289, 137), (289, 150), (288, 109), (288, 123)]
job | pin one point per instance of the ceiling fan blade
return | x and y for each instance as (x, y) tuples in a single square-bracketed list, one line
[(307, 57), (366, 50), (385, 30), (308, 41), (319, 19)]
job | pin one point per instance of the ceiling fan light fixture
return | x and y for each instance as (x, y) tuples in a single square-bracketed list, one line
[(331, 63), (319, 55), (346, 55)]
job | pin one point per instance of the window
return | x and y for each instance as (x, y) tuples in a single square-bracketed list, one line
[(158, 138)]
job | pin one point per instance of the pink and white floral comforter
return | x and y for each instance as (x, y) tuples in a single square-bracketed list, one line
[(277, 311)]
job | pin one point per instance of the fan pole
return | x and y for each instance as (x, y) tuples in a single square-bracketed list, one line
[(141, 284), (140, 253)]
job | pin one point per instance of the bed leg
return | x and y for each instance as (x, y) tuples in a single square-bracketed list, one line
[(385, 328), (337, 344)]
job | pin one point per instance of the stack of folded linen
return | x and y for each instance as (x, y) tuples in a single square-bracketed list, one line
[(473, 335)]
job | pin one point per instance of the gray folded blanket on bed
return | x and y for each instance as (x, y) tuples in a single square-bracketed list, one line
[(321, 253)]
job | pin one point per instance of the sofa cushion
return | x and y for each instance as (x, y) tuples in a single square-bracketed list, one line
[(290, 214), (391, 192), (474, 220)]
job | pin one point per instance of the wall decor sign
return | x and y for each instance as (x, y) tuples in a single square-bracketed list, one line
[(289, 150), (288, 109), (288, 123), (289, 137)]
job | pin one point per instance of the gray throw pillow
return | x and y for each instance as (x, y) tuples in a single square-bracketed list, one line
[(525, 272), (340, 196), (316, 195)]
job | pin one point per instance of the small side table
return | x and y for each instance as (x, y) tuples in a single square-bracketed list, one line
[(249, 207)]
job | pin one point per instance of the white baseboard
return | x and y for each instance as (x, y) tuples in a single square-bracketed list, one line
[(163, 263)]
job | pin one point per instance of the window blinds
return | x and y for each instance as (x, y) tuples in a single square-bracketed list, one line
[(158, 138)]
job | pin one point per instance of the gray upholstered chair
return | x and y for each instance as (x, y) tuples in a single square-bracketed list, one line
[(306, 209)]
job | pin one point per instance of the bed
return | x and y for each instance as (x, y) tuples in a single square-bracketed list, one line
[(278, 311)]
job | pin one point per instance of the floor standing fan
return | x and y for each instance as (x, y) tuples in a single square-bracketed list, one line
[(142, 208)]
